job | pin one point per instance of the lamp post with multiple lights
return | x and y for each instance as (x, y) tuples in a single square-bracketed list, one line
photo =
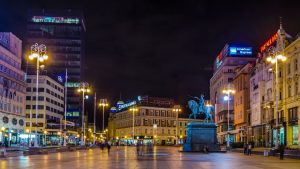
[(228, 91), (103, 103), (84, 88), (38, 52), (273, 59), (133, 110), (176, 109)]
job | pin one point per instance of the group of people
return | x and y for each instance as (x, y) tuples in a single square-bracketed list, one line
[(142, 148), (248, 149), (105, 144)]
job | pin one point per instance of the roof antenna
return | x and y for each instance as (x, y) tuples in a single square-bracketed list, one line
[(280, 22)]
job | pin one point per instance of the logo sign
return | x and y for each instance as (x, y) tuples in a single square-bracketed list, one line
[(73, 113), (240, 51), (269, 42), (123, 106)]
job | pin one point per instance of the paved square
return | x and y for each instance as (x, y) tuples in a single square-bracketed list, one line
[(162, 158)]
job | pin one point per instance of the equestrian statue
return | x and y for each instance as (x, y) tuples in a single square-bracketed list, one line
[(201, 108)]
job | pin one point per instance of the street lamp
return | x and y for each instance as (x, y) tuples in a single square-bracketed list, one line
[(38, 52), (176, 109), (103, 103), (45, 132), (84, 88), (209, 105), (228, 91), (133, 110), (273, 59)]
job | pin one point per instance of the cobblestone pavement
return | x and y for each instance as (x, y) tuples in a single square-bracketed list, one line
[(161, 158)]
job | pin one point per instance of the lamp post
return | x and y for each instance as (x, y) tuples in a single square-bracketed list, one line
[(103, 103), (176, 109), (38, 52), (45, 132), (95, 109), (228, 92), (84, 88), (66, 94), (133, 110), (273, 59)]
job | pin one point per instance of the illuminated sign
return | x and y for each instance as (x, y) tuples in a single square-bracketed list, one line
[(240, 51), (4, 40), (123, 106), (73, 113), (72, 84), (269, 42), (49, 19)]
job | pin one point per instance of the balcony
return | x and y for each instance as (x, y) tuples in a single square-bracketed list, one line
[(280, 120), (293, 120)]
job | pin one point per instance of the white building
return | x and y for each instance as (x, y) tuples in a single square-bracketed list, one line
[(12, 89), (50, 108), (230, 58)]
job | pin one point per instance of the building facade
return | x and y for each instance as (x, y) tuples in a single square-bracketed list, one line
[(12, 90), (291, 95), (231, 57), (63, 33), (242, 102), (154, 121), (50, 109)]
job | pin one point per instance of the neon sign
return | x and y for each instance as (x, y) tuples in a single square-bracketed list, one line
[(49, 19), (269, 42), (240, 51), (72, 84), (123, 106)]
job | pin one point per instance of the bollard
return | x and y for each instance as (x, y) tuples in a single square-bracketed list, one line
[(265, 152), (3, 153)]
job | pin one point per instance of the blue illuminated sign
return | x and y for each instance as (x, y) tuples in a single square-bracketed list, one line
[(240, 51), (123, 106)]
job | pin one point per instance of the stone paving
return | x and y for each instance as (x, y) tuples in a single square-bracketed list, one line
[(161, 158)]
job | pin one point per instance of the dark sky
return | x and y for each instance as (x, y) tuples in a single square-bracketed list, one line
[(160, 48)]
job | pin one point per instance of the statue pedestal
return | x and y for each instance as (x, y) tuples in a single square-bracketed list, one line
[(199, 135)]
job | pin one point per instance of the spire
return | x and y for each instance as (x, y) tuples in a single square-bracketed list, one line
[(280, 23)]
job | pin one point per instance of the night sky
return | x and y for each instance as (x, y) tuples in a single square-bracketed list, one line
[(160, 48)]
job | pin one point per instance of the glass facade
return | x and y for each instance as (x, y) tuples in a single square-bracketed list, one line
[(295, 134)]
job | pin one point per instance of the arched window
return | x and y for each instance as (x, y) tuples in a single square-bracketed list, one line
[(289, 91), (296, 88)]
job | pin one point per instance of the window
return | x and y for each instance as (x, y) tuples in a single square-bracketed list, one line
[(41, 98), (28, 97), (41, 89), (295, 134), (293, 113), (280, 94), (28, 89), (296, 88), (289, 90), (289, 68), (296, 64), (28, 80), (27, 106), (146, 131)]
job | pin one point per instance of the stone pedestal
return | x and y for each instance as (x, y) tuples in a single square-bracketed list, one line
[(199, 135)]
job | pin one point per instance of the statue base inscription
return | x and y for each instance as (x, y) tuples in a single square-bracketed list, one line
[(201, 135)]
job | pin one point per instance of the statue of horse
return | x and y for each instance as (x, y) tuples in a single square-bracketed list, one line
[(201, 108)]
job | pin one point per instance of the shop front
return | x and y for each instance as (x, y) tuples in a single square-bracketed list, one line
[(281, 136)]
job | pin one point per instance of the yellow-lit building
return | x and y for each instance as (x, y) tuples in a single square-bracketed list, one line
[(154, 120), (290, 96), (241, 102)]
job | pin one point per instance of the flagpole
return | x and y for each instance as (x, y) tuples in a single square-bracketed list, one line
[(66, 93)]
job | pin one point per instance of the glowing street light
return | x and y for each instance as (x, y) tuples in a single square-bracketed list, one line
[(228, 91), (38, 52), (133, 110), (103, 103), (273, 59), (84, 88), (176, 109)]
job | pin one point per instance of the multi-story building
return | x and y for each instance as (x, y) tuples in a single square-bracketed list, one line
[(50, 108), (231, 57), (12, 90), (154, 120), (242, 102), (63, 33), (291, 96)]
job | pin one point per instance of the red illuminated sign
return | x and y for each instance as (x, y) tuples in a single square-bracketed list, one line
[(269, 42)]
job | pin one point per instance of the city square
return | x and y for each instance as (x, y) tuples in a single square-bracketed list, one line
[(149, 84)]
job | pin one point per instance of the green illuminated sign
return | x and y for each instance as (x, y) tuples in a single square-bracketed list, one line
[(72, 84), (49, 19)]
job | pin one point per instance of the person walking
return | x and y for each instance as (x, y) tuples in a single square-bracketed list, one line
[(281, 151), (245, 148), (138, 147), (108, 146), (249, 149)]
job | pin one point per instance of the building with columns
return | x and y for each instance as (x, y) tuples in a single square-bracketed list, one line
[(12, 90)]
